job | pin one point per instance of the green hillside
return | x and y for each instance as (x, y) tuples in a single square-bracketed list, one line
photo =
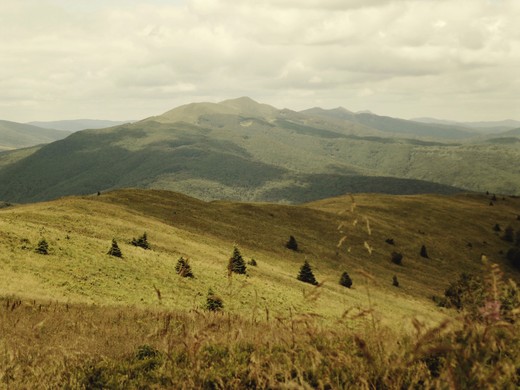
[(242, 150), (80, 318), (79, 231), (17, 135)]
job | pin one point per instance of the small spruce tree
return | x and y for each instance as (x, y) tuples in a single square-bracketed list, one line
[(395, 282), (43, 247), (236, 263), (423, 252), (214, 302), (252, 262), (141, 242), (497, 228), (114, 249), (397, 258), (183, 268), (292, 244), (345, 280), (306, 274)]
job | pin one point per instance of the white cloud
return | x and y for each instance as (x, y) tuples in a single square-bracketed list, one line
[(129, 59)]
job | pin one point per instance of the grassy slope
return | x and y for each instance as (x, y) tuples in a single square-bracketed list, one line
[(17, 135), (79, 231)]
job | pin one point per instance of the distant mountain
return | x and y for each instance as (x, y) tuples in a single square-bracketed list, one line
[(15, 135), (244, 150), (482, 127), (396, 126), (78, 124)]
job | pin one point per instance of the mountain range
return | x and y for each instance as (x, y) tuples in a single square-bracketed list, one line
[(244, 150)]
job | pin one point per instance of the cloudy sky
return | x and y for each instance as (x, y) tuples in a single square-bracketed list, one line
[(129, 59)]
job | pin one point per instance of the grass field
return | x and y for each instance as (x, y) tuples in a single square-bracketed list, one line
[(82, 306)]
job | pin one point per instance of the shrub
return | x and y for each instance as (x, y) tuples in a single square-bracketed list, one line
[(236, 262), (390, 241), (397, 258), (497, 228), (345, 280), (395, 282), (183, 268), (141, 242), (513, 256), (252, 262), (467, 292), (292, 244), (214, 302), (509, 234), (423, 252), (114, 249), (306, 275), (43, 247)]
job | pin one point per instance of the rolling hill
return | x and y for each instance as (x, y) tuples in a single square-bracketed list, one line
[(79, 230), (243, 150), (15, 135), (79, 318)]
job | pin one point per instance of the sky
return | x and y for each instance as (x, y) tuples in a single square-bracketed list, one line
[(131, 59)]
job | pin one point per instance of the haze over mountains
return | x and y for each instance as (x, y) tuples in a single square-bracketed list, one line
[(77, 124), (240, 149)]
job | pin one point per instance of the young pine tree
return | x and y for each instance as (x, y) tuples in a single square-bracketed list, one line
[(345, 280), (292, 244), (141, 242), (213, 302), (236, 263), (114, 249), (43, 247), (183, 268), (306, 274), (395, 282)]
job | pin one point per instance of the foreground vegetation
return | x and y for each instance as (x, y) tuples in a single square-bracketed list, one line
[(54, 345)]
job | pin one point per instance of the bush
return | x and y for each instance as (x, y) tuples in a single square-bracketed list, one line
[(214, 302), (183, 268), (252, 262), (397, 258), (114, 249), (236, 263), (395, 282), (513, 256), (467, 292), (292, 244), (345, 280), (497, 228), (390, 241), (141, 242), (306, 275), (43, 247), (509, 234)]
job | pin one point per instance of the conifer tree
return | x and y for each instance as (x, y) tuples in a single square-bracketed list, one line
[(114, 249), (306, 274), (345, 280), (292, 244), (43, 247), (213, 302), (252, 262), (236, 262), (395, 282), (183, 268), (423, 252), (141, 242), (397, 258)]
